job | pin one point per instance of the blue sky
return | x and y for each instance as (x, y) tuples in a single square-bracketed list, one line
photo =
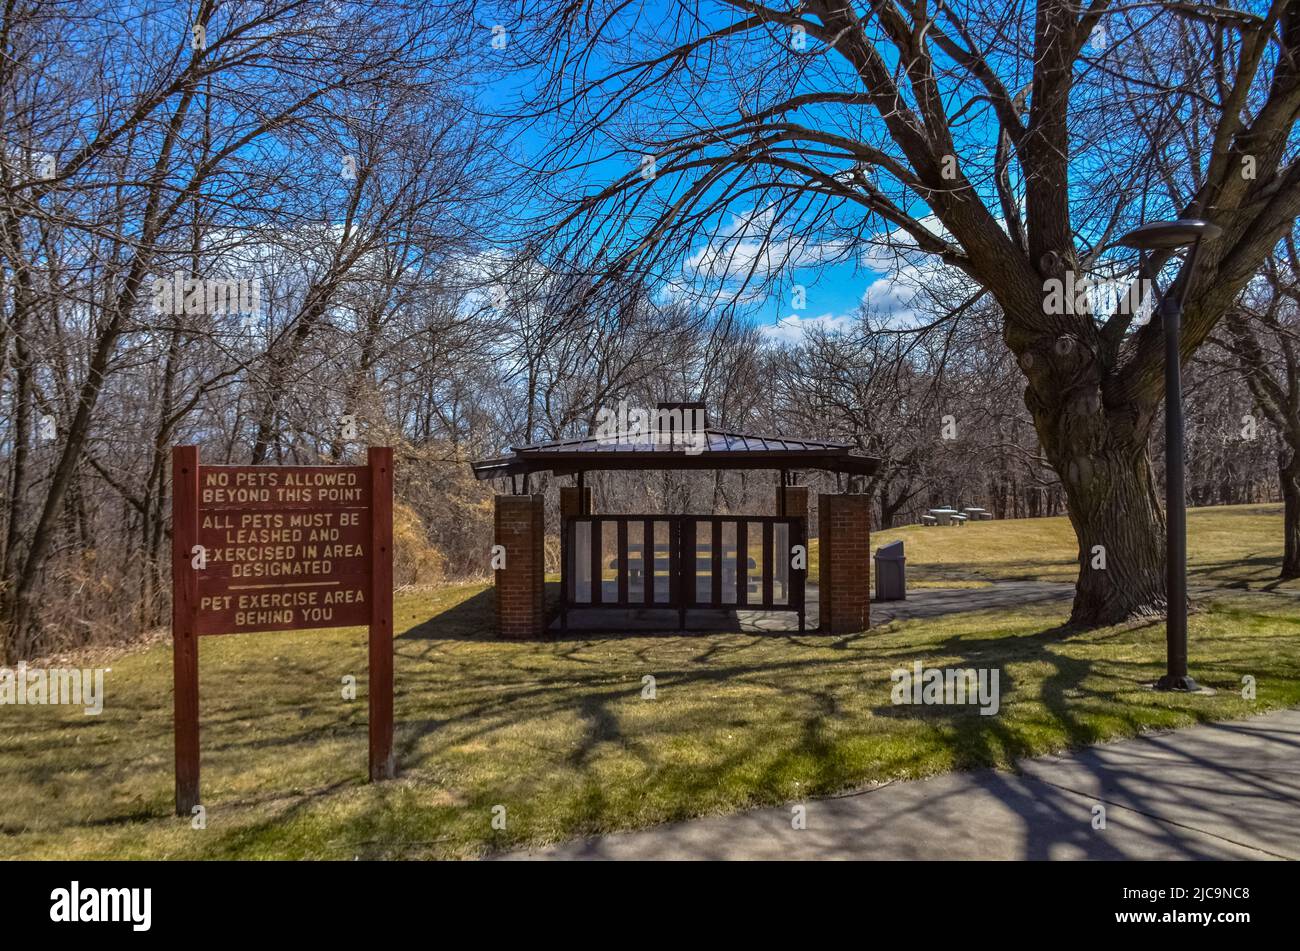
[(751, 74), (832, 291)]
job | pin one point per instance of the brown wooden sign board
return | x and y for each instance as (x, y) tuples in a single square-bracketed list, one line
[(280, 548)]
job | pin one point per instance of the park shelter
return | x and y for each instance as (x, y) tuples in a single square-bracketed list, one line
[(676, 561)]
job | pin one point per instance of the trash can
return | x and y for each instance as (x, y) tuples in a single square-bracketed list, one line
[(891, 581)]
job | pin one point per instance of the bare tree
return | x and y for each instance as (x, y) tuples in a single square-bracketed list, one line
[(1011, 143), (1263, 335), (181, 138)]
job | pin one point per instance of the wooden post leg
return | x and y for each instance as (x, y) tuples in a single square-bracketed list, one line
[(185, 642), (185, 669), (383, 764)]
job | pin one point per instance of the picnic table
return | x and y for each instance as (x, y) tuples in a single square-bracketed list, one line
[(945, 516)]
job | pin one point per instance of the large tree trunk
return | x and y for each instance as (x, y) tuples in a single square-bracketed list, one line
[(1096, 436), (1120, 526), (1289, 471)]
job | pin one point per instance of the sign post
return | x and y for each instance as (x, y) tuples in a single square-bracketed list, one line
[(185, 642), (280, 548), (382, 764)]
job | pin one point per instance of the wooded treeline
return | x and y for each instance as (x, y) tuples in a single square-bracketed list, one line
[(322, 157)]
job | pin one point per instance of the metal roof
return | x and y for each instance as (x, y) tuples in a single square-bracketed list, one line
[(719, 449)]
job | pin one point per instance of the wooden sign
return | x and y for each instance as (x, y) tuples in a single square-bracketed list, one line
[(280, 548)]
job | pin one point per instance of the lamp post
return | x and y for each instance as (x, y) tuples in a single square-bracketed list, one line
[(1169, 236)]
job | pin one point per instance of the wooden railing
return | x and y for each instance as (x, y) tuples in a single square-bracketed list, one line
[(683, 562)]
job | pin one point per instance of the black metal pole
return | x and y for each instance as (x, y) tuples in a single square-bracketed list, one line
[(1171, 313)]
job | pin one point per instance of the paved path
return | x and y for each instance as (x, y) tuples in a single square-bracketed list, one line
[(1226, 790), (920, 602), (933, 602)]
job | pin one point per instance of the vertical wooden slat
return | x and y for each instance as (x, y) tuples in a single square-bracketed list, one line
[(568, 584), (715, 585), (677, 592), (648, 561), (622, 556), (768, 528), (597, 552), (185, 644), (742, 562), (382, 762)]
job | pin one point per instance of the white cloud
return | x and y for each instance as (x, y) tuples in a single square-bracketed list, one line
[(892, 297), (750, 249), (791, 329), (906, 272)]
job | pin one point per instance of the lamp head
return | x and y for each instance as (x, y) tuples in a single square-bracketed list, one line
[(1166, 235)]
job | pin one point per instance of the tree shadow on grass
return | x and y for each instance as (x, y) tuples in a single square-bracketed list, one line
[(470, 620), (1062, 817), (1041, 818), (494, 698)]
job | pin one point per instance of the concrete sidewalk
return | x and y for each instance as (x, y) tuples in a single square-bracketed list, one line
[(1218, 791), (920, 603)]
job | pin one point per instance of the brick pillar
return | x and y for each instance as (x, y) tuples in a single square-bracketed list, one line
[(521, 529), (796, 500), (844, 562), (569, 501)]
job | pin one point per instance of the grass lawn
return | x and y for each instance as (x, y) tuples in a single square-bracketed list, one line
[(558, 733), (1230, 545)]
